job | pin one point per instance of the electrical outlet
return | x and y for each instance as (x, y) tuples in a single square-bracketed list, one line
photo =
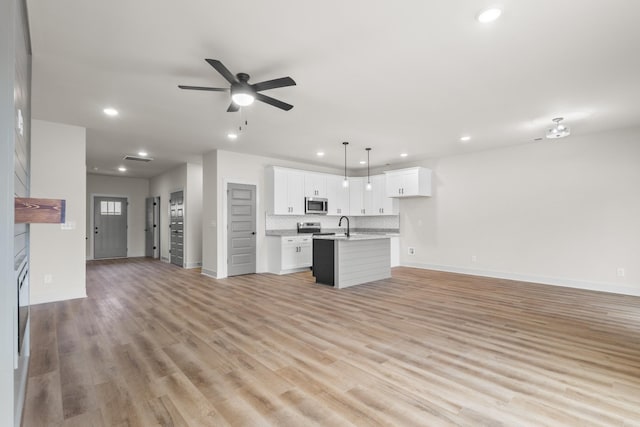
[(412, 251), (474, 258), (48, 278), (620, 272)]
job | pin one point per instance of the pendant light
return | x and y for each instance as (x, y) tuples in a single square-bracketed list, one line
[(368, 187), (558, 130), (345, 183)]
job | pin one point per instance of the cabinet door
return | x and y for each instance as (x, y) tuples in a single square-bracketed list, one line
[(295, 192), (305, 252), (369, 201), (394, 184), (280, 193), (356, 199), (315, 185), (410, 183), (289, 253), (338, 195)]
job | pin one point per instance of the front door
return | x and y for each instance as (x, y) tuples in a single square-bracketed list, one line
[(176, 219), (241, 229), (110, 227), (152, 227)]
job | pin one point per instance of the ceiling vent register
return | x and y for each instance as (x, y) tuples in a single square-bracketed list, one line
[(137, 158)]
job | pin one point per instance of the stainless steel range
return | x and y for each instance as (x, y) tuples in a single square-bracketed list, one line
[(313, 228)]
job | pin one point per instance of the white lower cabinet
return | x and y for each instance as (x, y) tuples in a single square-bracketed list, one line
[(288, 254)]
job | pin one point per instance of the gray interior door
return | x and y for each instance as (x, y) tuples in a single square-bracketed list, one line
[(152, 227), (241, 229), (110, 227), (176, 218)]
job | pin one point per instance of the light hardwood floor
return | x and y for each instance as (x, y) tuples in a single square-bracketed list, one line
[(157, 345)]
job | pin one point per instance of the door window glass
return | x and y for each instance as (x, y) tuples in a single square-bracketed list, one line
[(110, 208)]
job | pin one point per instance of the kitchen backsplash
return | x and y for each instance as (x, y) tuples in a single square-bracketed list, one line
[(282, 222)]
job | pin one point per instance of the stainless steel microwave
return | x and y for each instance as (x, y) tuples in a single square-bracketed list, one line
[(316, 205)]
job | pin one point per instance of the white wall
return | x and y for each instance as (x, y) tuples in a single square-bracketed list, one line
[(58, 171), (210, 213), (193, 243), (244, 169), (560, 212), (136, 191)]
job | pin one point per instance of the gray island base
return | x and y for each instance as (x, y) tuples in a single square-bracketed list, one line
[(341, 261)]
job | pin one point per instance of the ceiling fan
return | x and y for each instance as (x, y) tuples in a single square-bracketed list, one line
[(243, 93)]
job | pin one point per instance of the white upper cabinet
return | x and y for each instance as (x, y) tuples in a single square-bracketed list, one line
[(356, 196), (370, 202), (285, 191), (376, 200), (411, 182), (315, 184), (338, 195)]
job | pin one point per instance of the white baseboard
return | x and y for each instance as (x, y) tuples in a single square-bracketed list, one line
[(165, 259), (45, 297), (616, 288), (209, 273), (193, 264)]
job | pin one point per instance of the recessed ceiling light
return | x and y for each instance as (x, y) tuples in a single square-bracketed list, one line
[(320, 153), (489, 15), (465, 138), (112, 112), (122, 169), (363, 162), (232, 135), (403, 155), (143, 153)]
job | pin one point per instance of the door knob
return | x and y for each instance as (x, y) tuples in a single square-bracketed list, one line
[(253, 232)]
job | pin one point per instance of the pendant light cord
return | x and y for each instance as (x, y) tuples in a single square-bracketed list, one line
[(345, 159), (368, 165)]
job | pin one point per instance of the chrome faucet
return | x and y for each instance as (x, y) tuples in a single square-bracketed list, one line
[(340, 224)]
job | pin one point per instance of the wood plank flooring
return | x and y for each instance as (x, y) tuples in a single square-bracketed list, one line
[(155, 345)]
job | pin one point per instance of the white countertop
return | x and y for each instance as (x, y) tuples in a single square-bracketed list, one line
[(353, 236)]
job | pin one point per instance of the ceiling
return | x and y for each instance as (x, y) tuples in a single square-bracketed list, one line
[(411, 76)]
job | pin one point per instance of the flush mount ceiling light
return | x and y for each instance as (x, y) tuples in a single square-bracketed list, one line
[(232, 136), (368, 187), (143, 153), (320, 153), (558, 130), (345, 183), (111, 112), (489, 15), (465, 138), (403, 155), (122, 169)]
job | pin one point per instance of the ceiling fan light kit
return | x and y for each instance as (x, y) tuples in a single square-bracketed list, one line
[(243, 93), (558, 130)]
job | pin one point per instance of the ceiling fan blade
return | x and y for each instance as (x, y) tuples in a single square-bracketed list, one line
[(224, 71), (233, 108), (212, 89), (273, 84), (272, 101)]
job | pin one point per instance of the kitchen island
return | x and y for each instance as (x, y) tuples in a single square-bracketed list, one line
[(342, 261)]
